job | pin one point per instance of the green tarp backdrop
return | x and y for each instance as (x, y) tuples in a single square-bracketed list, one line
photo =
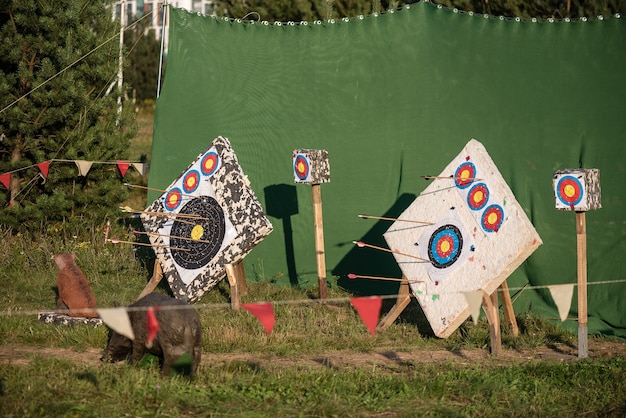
[(395, 97)]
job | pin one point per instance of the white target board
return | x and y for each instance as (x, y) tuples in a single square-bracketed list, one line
[(208, 217), (476, 235)]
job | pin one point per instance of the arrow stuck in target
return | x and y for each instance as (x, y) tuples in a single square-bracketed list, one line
[(361, 244), (383, 218)]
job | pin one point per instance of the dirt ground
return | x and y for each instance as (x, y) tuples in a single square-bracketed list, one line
[(386, 359)]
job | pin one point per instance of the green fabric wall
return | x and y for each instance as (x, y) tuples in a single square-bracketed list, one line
[(392, 98)]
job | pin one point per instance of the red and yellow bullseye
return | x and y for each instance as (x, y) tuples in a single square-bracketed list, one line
[(209, 163), (492, 218), (191, 181), (569, 190), (465, 175), (301, 167), (478, 196), (173, 198)]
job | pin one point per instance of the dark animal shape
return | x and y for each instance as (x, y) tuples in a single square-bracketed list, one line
[(179, 335), (74, 291)]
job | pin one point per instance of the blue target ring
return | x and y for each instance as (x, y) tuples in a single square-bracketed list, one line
[(301, 167), (445, 246), (569, 190)]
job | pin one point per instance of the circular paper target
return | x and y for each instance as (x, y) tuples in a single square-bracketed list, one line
[(209, 163), (492, 218), (445, 246), (478, 196), (191, 181), (465, 175), (569, 190), (195, 242), (173, 199), (301, 167)]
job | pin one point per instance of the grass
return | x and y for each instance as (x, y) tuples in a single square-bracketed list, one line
[(266, 375)]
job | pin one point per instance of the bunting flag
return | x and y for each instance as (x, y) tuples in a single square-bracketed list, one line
[(123, 167), (5, 179), (474, 300), (141, 168), (83, 167), (264, 312), (369, 310), (117, 319), (562, 295), (43, 167), (153, 326)]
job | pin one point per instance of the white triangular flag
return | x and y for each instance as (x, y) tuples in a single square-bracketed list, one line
[(562, 295), (141, 168), (117, 319), (83, 167), (474, 300)]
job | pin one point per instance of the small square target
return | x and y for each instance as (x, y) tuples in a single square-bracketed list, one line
[(577, 189), (311, 166)]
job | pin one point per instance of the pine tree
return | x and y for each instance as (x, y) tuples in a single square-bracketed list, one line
[(58, 59)]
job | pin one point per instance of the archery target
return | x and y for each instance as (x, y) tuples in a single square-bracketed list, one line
[(577, 189), (478, 196), (301, 167), (569, 191), (492, 218), (464, 175), (191, 181), (445, 245), (195, 241), (479, 234), (208, 217), (173, 198)]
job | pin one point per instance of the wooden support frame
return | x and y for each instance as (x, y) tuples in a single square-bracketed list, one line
[(236, 278), (316, 193), (490, 305)]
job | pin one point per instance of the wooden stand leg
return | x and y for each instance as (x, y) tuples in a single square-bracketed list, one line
[(319, 240), (242, 283), (404, 297), (232, 281), (581, 247), (157, 275), (507, 305), (490, 305)]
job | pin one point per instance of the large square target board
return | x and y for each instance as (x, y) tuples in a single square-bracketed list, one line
[(474, 236), (206, 218)]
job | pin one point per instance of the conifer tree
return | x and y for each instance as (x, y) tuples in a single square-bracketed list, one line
[(58, 62)]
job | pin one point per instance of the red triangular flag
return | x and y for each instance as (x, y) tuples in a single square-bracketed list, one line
[(5, 179), (369, 310), (44, 168), (123, 167), (153, 326), (264, 313)]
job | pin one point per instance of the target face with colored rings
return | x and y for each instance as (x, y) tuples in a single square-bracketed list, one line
[(301, 167), (478, 196), (191, 181), (209, 163), (492, 218), (445, 246), (569, 190), (173, 199), (194, 244), (465, 175)]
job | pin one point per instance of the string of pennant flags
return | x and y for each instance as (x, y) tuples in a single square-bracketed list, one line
[(83, 168), (367, 307)]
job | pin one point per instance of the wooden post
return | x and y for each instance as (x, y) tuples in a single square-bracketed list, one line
[(581, 244), (507, 306), (490, 306), (404, 297), (157, 275), (319, 240), (232, 281), (242, 283)]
